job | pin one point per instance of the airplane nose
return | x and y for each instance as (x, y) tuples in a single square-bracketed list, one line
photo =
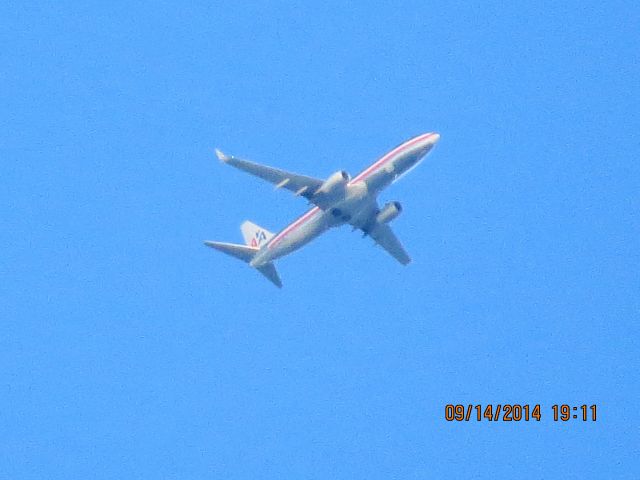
[(435, 138)]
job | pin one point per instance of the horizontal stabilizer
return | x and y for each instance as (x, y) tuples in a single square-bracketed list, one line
[(269, 271), (245, 254), (242, 252)]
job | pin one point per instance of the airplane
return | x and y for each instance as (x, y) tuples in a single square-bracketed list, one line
[(338, 200)]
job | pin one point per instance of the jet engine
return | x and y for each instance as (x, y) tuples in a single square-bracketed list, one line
[(334, 184), (390, 211)]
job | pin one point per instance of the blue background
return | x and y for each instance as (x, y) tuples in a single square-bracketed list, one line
[(130, 350)]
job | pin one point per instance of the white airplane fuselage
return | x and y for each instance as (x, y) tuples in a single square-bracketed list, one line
[(351, 203)]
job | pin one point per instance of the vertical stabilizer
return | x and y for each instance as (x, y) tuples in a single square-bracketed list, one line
[(254, 235)]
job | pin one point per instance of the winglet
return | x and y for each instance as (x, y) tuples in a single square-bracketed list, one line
[(221, 156)]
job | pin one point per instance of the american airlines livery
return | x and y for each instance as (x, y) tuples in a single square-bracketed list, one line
[(337, 200)]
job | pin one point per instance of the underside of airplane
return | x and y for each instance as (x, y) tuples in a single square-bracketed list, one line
[(338, 200)]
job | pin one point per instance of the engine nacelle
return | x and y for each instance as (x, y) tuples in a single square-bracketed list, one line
[(334, 184), (390, 211)]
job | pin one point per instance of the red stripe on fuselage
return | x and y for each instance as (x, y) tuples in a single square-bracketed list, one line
[(377, 165), (293, 226), (361, 176)]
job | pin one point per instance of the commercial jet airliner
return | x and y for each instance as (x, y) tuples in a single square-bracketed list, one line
[(338, 200)]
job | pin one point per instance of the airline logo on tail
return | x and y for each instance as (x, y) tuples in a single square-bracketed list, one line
[(254, 235), (258, 239)]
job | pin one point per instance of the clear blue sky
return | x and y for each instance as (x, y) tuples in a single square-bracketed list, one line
[(130, 350)]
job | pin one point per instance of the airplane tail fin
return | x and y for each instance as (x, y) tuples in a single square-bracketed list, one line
[(246, 253), (254, 235)]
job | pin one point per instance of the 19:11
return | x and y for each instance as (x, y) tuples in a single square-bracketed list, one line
[(565, 412)]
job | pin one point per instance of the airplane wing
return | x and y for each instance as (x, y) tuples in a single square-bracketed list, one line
[(384, 236), (380, 232), (300, 185)]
